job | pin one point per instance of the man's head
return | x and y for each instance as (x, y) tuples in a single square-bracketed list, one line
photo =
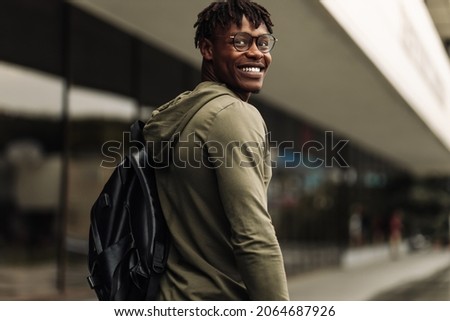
[(235, 39)]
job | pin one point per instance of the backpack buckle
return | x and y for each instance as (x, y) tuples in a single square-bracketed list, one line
[(158, 258), (91, 281)]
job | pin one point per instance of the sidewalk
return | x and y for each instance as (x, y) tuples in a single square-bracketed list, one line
[(364, 281), (359, 281), (38, 282)]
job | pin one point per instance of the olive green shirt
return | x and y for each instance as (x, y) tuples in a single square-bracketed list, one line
[(213, 189)]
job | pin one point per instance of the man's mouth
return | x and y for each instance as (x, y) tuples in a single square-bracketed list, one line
[(251, 69)]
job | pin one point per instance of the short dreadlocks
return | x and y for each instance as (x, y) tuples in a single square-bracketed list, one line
[(225, 12)]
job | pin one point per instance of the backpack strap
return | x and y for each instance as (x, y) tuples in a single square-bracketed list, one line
[(95, 234), (136, 132), (158, 236)]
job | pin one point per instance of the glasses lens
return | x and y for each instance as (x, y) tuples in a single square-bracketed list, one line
[(242, 41), (265, 43)]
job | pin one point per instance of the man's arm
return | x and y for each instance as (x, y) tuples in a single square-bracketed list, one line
[(243, 178)]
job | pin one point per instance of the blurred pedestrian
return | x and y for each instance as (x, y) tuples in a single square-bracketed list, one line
[(355, 226), (395, 235)]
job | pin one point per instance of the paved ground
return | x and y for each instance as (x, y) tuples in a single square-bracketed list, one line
[(365, 282), (434, 288), (420, 276), (38, 282)]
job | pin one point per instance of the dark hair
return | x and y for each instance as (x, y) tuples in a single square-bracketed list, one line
[(224, 13)]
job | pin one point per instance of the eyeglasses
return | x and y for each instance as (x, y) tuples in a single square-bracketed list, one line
[(242, 41)]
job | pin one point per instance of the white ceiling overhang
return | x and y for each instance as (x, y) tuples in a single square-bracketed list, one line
[(319, 73)]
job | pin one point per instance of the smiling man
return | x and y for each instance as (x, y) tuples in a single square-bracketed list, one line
[(242, 66), (213, 166)]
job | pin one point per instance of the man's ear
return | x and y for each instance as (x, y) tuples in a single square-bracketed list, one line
[(206, 48)]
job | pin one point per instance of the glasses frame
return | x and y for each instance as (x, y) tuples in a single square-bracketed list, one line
[(233, 37)]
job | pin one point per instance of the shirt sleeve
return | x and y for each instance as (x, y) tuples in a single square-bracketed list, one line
[(237, 147)]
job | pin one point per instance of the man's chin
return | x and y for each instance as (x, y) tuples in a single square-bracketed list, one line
[(254, 89), (247, 90)]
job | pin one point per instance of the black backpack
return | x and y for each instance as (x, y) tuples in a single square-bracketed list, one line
[(128, 236)]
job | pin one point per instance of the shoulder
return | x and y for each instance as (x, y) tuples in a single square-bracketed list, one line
[(237, 121), (224, 101), (230, 108), (227, 117)]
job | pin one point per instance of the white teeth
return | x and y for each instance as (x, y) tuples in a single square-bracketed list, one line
[(251, 69)]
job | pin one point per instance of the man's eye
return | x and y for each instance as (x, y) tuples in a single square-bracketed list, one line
[(239, 42), (264, 41)]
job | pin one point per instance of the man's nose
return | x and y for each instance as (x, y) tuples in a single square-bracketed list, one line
[(253, 51)]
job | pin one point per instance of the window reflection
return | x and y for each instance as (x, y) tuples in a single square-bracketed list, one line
[(95, 117), (29, 163)]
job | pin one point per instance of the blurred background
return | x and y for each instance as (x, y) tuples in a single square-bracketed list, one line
[(369, 81)]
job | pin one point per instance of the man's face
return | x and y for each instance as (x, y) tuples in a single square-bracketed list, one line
[(242, 72)]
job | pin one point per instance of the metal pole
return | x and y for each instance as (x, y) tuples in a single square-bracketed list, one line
[(64, 181)]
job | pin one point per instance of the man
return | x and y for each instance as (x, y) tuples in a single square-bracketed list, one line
[(211, 150)]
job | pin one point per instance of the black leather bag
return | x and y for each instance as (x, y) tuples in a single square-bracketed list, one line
[(128, 237)]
